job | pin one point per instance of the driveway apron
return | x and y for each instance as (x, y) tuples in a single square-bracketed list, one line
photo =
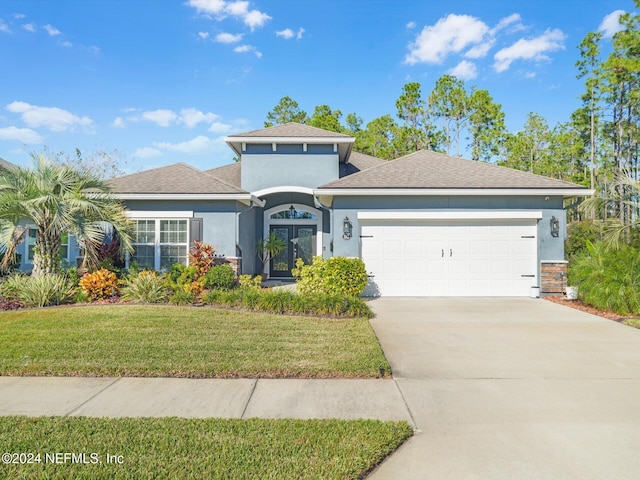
[(511, 388)]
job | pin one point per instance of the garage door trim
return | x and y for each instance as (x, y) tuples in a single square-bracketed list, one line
[(451, 215)]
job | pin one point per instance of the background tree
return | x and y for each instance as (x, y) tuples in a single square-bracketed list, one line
[(326, 118), (58, 200), (487, 130), (286, 111), (450, 104), (412, 110)]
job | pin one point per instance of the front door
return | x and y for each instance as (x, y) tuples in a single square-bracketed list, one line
[(300, 241)]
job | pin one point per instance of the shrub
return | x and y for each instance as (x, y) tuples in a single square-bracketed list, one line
[(246, 281), (6, 304), (100, 284), (337, 275), (285, 301), (202, 257), (182, 297), (608, 279), (146, 287), (220, 276), (41, 291), (578, 233)]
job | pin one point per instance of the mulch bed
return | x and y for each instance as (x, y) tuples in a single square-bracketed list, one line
[(579, 305)]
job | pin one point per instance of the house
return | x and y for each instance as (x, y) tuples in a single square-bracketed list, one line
[(425, 224)]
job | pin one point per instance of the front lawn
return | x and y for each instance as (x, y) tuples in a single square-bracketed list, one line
[(167, 341), (195, 448)]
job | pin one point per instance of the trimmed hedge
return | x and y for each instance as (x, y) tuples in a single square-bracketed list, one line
[(285, 301), (336, 275)]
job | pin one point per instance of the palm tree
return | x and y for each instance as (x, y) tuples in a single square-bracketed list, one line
[(57, 199)]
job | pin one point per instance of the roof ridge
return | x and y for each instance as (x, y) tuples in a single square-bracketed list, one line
[(222, 181)]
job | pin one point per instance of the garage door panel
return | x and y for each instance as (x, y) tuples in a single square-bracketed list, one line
[(454, 258)]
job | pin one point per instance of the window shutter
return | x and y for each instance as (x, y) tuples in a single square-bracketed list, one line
[(195, 229)]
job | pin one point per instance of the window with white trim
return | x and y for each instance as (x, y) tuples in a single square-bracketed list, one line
[(31, 243), (158, 244)]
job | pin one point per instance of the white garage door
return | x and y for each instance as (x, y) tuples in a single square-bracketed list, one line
[(450, 258)]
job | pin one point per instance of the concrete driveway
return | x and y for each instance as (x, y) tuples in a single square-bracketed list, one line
[(512, 389)]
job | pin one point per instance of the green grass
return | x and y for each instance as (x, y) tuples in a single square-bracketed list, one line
[(173, 448), (167, 341), (632, 322)]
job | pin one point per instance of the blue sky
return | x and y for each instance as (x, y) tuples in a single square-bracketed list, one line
[(163, 81)]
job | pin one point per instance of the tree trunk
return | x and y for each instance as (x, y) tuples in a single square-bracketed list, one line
[(46, 253)]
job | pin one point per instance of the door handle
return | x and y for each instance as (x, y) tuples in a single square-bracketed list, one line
[(451, 252), (443, 253)]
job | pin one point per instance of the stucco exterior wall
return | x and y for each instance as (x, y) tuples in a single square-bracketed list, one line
[(260, 171)]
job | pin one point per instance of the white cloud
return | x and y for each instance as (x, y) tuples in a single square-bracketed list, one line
[(240, 9), (29, 27), (4, 27), (411, 25), (450, 34), (237, 9), (529, 75), (197, 145), (531, 49), (255, 19), (22, 135), (53, 118), (203, 35), (52, 30), (465, 70), (118, 123), (248, 49), (161, 117), (215, 7), (611, 24), (225, 37), (67, 44), (147, 152), (288, 34), (480, 50), (19, 15), (218, 127), (509, 20), (191, 117)]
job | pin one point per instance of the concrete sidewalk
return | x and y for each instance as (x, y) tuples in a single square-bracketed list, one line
[(198, 398)]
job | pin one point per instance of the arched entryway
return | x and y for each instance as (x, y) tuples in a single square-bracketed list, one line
[(300, 226)]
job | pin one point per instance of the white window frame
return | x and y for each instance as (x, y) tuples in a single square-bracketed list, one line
[(27, 243), (157, 218)]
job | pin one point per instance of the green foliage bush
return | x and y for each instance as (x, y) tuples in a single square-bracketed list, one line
[(336, 275), (608, 279), (100, 284), (247, 281), (220, 276), (41, 291), (182, 297), (578, 233), (285, 301), (146, 286)]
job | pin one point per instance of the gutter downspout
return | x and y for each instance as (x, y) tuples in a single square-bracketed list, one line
[(253, 202)]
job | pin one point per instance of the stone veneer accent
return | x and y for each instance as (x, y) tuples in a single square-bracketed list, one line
[(234, 262), (553, 275)]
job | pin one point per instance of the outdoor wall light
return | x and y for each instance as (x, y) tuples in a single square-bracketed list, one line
[(555, 227), (346, 228), (292, 211)]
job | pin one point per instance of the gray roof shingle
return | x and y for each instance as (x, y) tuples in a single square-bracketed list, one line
[(427, 169), (291, 129), (178, 178), (358, 162), (227, 173), (6, 165)]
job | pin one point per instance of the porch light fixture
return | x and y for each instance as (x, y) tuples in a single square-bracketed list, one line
[(346, 228), (292, 211), (555, 227)]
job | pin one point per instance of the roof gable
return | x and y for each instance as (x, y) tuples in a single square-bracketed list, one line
[(426, 169), (178, 178), (291, 129), (227, 173)]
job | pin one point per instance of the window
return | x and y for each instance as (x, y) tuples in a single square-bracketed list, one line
[(160, 243), (290, 214), (31, 243)]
